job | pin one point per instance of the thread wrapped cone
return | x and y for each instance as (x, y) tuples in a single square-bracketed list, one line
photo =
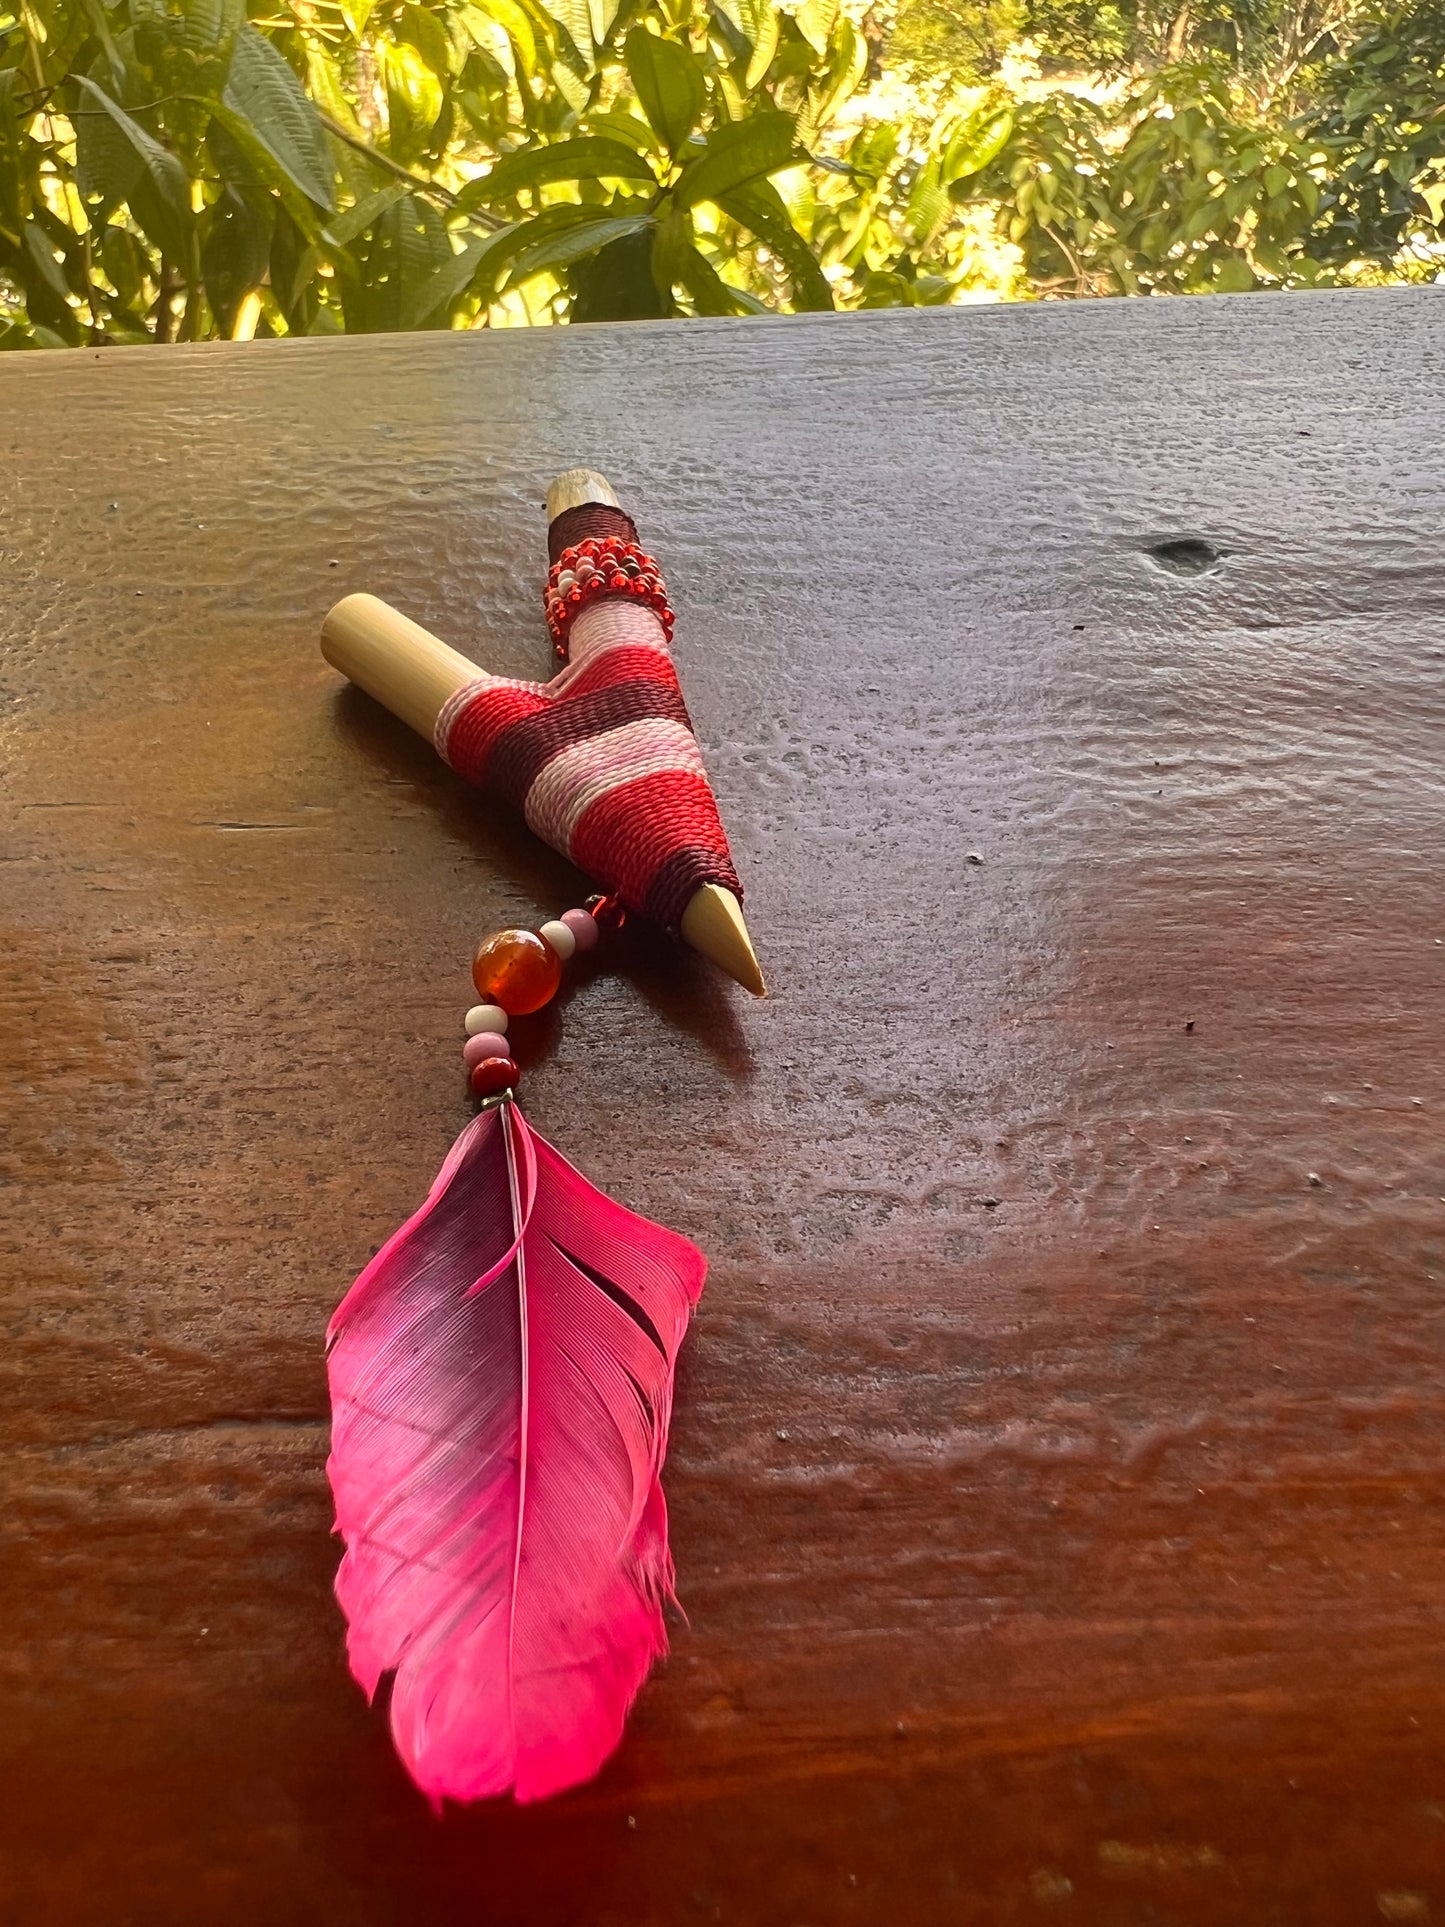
[(415, 675)]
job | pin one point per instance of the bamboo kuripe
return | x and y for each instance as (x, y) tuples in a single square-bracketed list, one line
[(414, 675)]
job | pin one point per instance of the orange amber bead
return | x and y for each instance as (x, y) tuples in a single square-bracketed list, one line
[(517, 970)]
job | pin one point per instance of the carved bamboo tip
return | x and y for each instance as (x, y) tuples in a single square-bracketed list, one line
[(577, 486), (713, 923)]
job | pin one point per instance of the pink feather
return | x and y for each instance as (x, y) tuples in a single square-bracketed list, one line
[(501, 1385)]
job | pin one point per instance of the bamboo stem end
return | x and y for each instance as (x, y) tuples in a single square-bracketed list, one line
[(713, 923)]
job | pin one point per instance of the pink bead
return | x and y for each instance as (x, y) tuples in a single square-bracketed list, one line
[(486, 1043), (583, 927)]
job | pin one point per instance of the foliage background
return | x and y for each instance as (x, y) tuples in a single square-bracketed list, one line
[(177, 169)]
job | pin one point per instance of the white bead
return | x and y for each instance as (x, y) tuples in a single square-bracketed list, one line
[(487, 1017), (560, 938)]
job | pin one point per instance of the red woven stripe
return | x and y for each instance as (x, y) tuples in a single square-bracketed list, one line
[(621, 840), (621, 665), (486, 716), (521, 752)]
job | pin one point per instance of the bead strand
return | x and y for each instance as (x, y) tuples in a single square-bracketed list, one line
[(517, 972), (602, 566)]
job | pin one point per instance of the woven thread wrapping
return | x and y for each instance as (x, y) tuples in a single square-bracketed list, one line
[(602, 761)]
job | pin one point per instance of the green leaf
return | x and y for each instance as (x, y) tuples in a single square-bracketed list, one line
[(737, 153), (760, 209), (167, 208), (187, 44), (264, 93), (689, 268), (814, 21), (589, 157), (625, 127), (928, 204), (981, 139), (107, 163), (419, 27), (413, 99), (342, 229), (42, 253), (575, 17), (404, 248), (847, 64), (618, 284), (604, 17), (450, 280), (669, 85), (235, 253), (244, 161), (519, 29), (767, 31), (1235, 276), (574, 90), (560, 247), (294, 262)]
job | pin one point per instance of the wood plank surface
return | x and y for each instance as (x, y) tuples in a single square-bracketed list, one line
[(1057, 1473)]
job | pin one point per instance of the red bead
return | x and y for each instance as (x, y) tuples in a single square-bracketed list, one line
[(493, 1074), (517, 970), (606, 911)]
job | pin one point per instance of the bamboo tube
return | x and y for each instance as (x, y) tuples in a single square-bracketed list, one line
[(414, 675)]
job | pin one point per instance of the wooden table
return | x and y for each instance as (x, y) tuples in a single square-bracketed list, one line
[(1058, 1463)]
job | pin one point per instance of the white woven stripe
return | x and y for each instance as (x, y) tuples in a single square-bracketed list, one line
[(567, 787), (458, 700), (610, 623)]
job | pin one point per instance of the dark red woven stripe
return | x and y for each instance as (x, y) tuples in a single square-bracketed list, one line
[(633, 838), (588, 521), (520, 752), (485, 717), (678, 881)]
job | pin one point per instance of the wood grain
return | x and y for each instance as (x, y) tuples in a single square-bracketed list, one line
[(1058, 1462)]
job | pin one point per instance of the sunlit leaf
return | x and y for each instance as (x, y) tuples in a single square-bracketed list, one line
[(419, 27), (575, 17), (766, 31), (814, 21), (981, 139), (413, 99), (625, 127), (575, 91), (588, 157), (759, 208), (669, 85), (743, 151)]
